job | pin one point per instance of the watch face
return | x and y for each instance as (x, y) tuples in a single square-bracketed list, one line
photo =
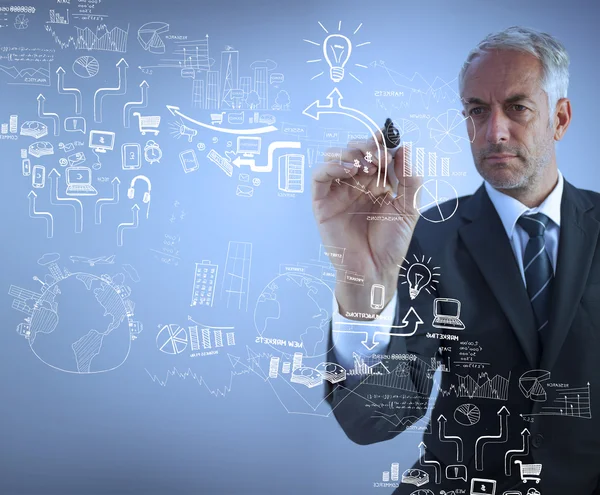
[(153, 154)]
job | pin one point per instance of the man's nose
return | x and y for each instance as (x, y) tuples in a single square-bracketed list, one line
[(497, 127)]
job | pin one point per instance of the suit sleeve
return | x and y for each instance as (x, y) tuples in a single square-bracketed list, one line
[(364, 416)]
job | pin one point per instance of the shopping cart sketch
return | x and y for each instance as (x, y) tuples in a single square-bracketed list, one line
[(148, 124), (216, 118), (529, 472)]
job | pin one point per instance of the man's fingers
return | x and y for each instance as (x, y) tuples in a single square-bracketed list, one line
[(326, 173)]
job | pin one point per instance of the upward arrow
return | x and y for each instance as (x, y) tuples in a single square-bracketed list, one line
[(129, 106), (33, 213), (56, 200), (74, 91), (100, 93), (41, 99)]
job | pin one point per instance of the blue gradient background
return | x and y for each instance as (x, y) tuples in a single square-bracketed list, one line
[(122, 433)]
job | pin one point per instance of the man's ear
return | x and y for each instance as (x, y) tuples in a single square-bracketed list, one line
[(562, 118)]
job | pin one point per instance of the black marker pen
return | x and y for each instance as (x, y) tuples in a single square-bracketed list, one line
[(391, 136)]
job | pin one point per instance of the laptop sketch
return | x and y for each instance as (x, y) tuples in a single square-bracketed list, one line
[(79, 182), (446, 312)]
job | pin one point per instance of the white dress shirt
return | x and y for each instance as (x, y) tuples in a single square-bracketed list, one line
[(509, 210)]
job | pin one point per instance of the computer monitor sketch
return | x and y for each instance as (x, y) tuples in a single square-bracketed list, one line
[(102, 141), (480, 486), (248, 146)]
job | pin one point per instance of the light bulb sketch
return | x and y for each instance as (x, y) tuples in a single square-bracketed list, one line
[(419, 276), (337, 49)]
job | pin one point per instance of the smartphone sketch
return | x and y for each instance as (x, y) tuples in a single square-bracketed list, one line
[(189, 161), (26, 166), (38, 176), (377, 296)]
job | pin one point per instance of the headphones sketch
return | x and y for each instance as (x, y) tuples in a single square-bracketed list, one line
[(131, 190), (146, 197)]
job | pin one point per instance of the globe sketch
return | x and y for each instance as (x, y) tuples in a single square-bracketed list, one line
[(295, 308), (80, 324)]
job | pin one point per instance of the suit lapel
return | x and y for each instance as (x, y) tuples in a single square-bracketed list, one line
[(577, 243), (488, 244)]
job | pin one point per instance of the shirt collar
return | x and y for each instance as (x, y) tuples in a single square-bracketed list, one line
[(510, 209)]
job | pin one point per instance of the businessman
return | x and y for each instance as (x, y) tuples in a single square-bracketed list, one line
[(514, 315)]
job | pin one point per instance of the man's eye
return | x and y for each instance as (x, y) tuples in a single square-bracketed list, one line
[(475, 111), (519, 108)]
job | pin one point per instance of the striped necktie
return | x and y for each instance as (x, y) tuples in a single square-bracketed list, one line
[(537, 267)]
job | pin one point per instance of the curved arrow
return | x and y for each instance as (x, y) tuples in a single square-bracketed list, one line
[(56, 200), (444, 438), (238, 162), (259, 130), (108, 201), (502, 437), (119, 90), (406, 321), (41, 99), (130, 225), (74, 91), (41, 214), (524, 451), (436, 464), (130, 105), (339, 109)]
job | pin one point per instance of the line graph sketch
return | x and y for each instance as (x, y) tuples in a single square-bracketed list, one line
[(102, 38), (27, 75)]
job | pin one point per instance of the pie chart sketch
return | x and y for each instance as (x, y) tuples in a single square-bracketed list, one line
[(172, 339), (86, 67), (447, 131), (530, 384), (149, 36), (409, 131), (434, 192), (467, 414)]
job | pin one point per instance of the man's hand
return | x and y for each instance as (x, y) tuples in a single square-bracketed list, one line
[(345, 193)]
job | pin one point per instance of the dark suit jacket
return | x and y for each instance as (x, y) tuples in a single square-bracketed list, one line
[(478, 267)]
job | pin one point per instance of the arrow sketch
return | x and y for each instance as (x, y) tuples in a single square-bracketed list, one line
[(114, 199), (41, 214), (502, 437), (74, 91), (130, 225), (446, 438), (522, 452), (130, 105), (410, 316), (121, 89), (58, 201), (238, 162), (259, 130), (316, 108), (41, 99), (436, 465)]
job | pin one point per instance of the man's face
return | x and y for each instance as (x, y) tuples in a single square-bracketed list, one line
[(509, 110)]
